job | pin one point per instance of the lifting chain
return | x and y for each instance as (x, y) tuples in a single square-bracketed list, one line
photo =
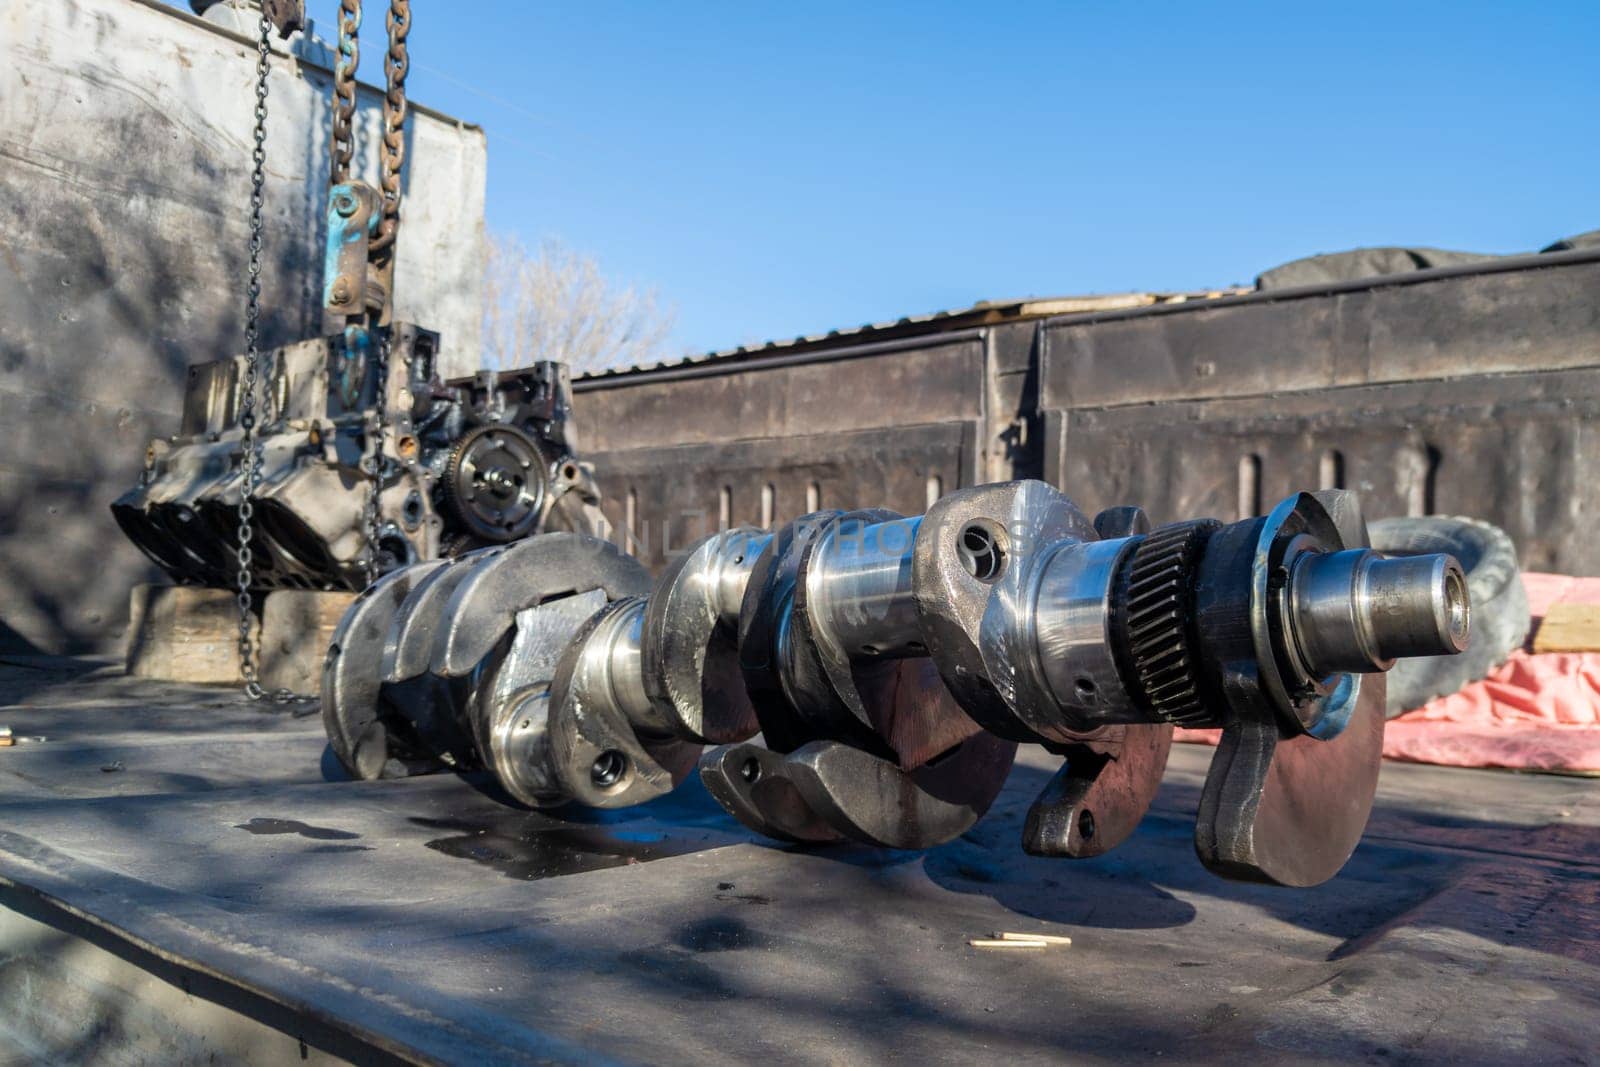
[(344, 90), (380, 248), (373, 463), (396, 64), (250, 442)]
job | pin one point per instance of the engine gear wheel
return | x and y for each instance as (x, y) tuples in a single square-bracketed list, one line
[(494, 483), (1156, 622)]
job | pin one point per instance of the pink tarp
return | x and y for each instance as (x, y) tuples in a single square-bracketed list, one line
[(1533, 713)]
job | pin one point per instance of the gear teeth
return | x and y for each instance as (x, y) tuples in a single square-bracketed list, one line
[(1158, 641), (479, 527)]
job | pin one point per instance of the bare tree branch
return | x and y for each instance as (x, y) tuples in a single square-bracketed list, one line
[(556, 304)]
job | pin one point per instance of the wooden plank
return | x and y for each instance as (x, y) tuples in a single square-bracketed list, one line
[(296, 628), (181, 633), (1569, 628)]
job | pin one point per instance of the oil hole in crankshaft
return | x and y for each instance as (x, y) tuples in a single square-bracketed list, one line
[(608, 769), (981, 549)]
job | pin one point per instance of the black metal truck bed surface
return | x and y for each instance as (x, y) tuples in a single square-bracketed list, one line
[(211, 847)]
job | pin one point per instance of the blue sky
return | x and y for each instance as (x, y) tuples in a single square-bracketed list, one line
[(775, 169)]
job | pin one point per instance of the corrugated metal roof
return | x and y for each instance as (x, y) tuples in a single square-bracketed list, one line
[(984, 313)]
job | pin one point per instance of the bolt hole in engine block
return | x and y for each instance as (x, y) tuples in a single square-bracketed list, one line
[(411, 513)]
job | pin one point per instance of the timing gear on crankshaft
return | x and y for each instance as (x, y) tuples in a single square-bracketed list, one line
[(1157, 621)]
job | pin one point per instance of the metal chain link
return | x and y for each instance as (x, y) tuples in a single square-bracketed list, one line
[(344, 90), (396, 64), (392, 154), (373, 463), (250, 461), (250, 442)]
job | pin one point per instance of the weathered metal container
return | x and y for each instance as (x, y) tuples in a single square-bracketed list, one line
[(1464, 390)]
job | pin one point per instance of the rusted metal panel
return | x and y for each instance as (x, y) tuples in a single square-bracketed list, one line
[(1012, 447), (661, 500), (1431, 324), (1404, 388), (684, 451), (1388, 386), (937, 381), (986, 313), (1182, 356), (1540, 319), (1518, 450)]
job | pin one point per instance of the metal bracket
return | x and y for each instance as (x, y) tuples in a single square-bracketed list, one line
[(352, 223)]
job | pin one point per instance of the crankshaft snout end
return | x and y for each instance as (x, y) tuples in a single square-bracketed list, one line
[(1355, 611)]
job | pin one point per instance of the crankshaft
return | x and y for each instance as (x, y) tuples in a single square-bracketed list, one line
[(892, 664)]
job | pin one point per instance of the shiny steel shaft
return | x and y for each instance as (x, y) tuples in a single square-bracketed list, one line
[(859, 587), (1356, 611)]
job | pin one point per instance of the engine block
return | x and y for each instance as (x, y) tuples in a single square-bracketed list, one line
[(464, 464)]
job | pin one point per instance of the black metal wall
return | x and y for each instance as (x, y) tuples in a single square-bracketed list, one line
[(1461, 391), (681, 455), (1457, 391)]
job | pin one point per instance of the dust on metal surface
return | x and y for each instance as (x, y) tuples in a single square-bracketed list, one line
[(1462, 924)]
